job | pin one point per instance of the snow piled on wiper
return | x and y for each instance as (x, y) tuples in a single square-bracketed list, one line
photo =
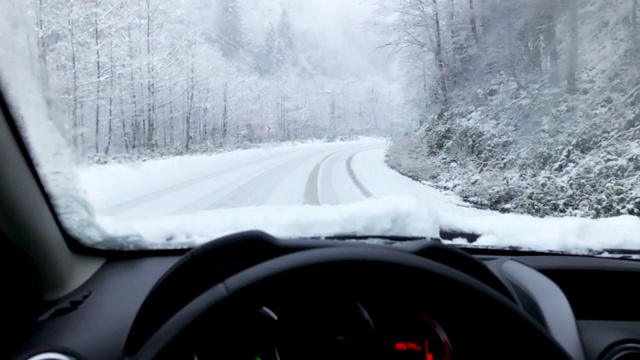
[(568, 234), (387, 216)]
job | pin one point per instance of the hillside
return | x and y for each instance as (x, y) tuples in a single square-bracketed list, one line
[(528, 144)]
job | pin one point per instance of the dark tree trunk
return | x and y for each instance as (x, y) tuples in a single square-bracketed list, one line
[(472, 19), (98, 75), (634, 24), (225, 112), (439, 57), (551, 47), (572, 85)]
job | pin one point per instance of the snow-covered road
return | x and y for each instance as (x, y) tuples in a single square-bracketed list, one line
[(309, 174), (313, 189)]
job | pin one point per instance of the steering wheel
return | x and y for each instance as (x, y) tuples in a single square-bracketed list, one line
[(480, 322)]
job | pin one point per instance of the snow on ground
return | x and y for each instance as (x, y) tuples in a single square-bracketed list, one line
[(113, 188), (561, 234), (278, 190)]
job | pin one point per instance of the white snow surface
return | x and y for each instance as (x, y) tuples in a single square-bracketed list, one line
[(309, 190)]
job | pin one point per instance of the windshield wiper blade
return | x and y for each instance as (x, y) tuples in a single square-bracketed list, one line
[(446, 235), (393, 238), (454, 234), (524, 251), (617, 253), (506, 250)]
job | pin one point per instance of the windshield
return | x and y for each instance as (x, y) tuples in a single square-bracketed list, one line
[(164, 124)]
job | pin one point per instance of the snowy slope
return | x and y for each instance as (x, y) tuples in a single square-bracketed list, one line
[(536, 148)]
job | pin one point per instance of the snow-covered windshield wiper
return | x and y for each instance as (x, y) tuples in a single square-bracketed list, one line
[(444, 235), (631, 254), (390, 238), (454, 234)]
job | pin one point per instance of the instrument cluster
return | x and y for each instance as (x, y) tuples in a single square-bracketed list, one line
[(330, 329)]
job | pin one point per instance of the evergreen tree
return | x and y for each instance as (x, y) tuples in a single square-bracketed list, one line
[(279, 48), (265, 61), (229, 28), (285, 33)]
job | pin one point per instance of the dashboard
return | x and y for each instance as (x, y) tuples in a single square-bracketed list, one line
[(325, 327), (347, 306)]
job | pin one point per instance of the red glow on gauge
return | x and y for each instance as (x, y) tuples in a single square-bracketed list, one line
[(407, 346), (411, 346), (441, 334), (426, 350)]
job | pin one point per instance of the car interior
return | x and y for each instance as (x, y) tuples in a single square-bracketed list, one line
[(253, 296)]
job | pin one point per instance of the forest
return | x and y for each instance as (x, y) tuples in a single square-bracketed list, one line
[(136, 79)]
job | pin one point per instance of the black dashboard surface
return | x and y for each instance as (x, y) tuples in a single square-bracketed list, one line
[(95, 321)]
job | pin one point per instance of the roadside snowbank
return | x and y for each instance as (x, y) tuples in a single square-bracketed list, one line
[(569, 234)]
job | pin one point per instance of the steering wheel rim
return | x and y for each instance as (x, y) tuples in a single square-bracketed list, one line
[(233, 293)]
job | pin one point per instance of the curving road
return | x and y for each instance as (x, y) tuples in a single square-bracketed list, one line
[(316, 174)]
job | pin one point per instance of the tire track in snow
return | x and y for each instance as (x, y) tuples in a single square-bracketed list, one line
[(311, 191), (150, 196), (256, 190), (365, 192)]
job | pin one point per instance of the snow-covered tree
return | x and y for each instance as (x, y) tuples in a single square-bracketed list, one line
[(229, 35), (149, 78)]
